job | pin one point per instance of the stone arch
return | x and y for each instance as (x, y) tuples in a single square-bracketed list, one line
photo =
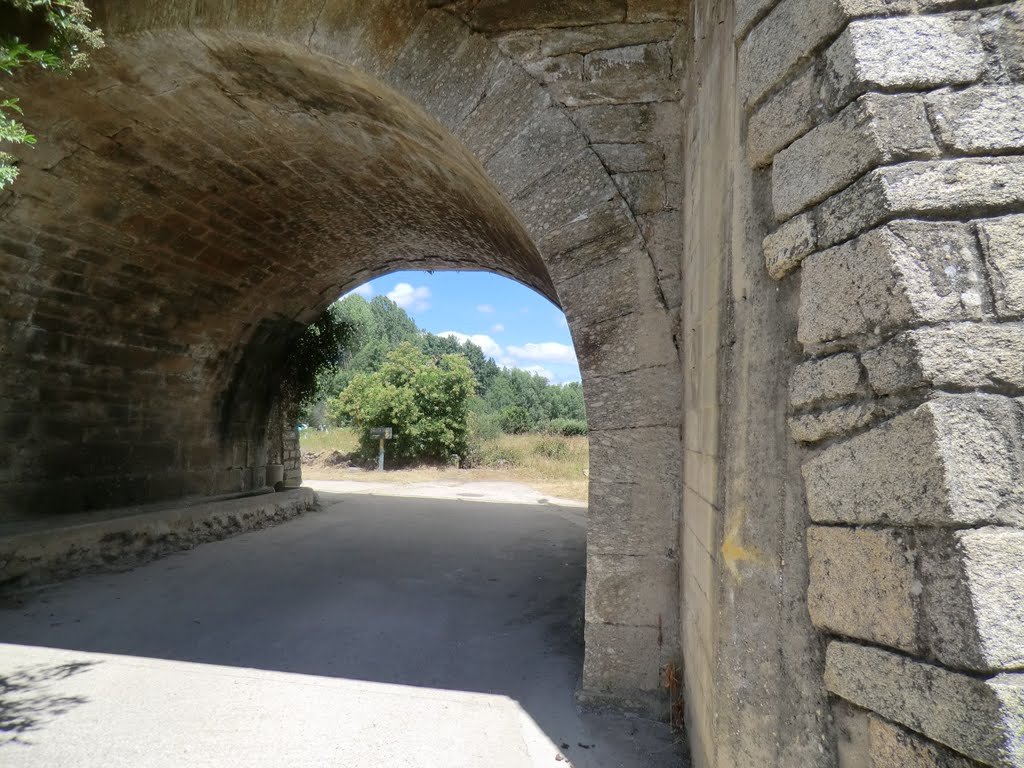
[(224, 172)]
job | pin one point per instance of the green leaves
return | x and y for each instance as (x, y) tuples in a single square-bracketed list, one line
[(426, 402), (68, 39)]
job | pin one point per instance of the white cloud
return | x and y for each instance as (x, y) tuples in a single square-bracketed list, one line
[(409, 298), (546, 351), (497, 328), (487, 309), (365, 290), (490, 347), (540, 370)]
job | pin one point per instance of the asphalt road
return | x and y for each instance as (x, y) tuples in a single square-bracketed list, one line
[(376, 632)]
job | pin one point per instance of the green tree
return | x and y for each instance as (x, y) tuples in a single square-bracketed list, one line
[(392, 323), (426, 402), (484, 368), (515, 420), (311, 359), (515, 388), (54, 35)]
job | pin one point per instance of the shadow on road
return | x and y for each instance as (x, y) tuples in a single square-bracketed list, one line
[(452, 595), (29, 699)]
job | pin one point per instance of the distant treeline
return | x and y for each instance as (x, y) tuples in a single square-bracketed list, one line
[(502, 400)]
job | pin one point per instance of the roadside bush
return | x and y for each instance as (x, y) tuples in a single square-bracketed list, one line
[(425, 402), (566, 427), (515, 420)]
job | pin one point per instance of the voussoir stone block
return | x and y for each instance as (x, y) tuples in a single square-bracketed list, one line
[(982, 718), (900, 274), (905, 53), (961, 356), (953, 461), (1002, 243), (874, 130)]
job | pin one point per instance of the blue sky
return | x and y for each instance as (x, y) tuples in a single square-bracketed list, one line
[(515, 325)]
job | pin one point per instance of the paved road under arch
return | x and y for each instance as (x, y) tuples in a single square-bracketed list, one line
[(377, 631)]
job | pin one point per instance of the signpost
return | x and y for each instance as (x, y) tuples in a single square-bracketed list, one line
[(381, 433)]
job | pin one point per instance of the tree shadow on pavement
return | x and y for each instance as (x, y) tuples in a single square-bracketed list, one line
[(29, 699)]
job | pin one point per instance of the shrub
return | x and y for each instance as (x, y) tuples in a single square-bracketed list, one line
[(566, 427), (425, 402), (515, 420)]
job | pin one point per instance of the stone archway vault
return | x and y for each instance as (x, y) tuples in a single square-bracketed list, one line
[(222, 174)]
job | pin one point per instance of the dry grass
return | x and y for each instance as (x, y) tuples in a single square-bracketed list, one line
[(556, 466)]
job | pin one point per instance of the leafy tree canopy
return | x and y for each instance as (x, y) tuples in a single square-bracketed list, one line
[(55, 35), (425, 401)]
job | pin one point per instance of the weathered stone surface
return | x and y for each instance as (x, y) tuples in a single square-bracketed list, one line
[(544, 146), (821, 425), (625, 343), (748, 11), (787, 246), (862, 585), (618, 124), (909, 53), (634, 62), (952, 461), (786, 116), (621, 659), (981, 120), (643, 398), (972, 601), (901, 274), (557, 68), (868, 741), (1009, 40), (632, 519), (650, 10), (644, 192), (928, 187), (499, 15), (874, 130), (630, 590), (980, 718), (629, 158), (958, 357), (443, 69), (558, 42), (613, 92), (1001, 244), (832, 378), (789, 34)]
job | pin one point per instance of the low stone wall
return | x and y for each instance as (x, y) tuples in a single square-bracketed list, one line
[(120, 539)]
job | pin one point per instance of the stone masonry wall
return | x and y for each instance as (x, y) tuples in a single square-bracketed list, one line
[(891, 138), (615, 68)]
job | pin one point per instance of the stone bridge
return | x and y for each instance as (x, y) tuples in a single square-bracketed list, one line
[(788, 236)]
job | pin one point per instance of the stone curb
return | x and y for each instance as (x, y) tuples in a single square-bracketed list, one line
[(52, 554)]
